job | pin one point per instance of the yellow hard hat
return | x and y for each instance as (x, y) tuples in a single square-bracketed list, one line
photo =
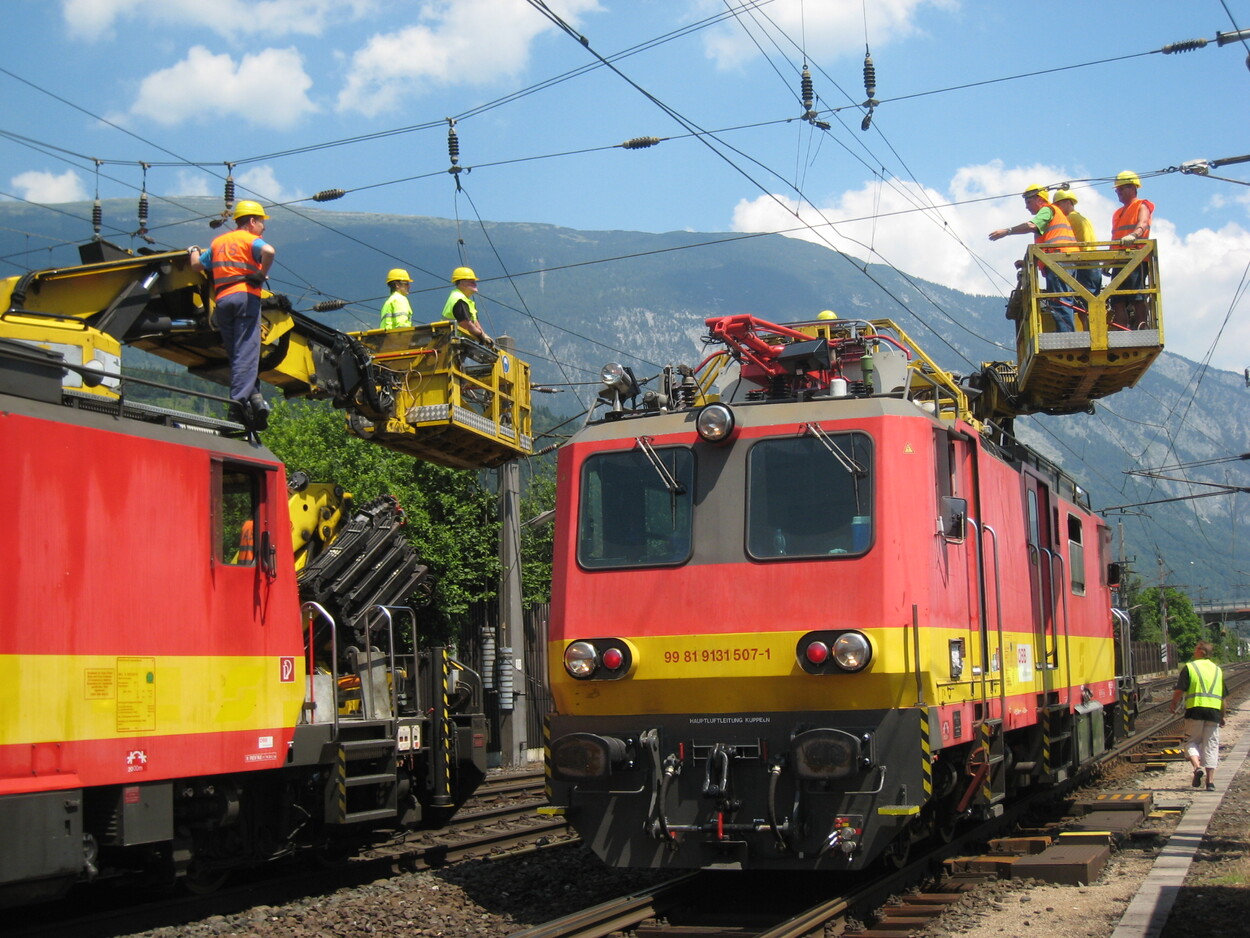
[(1037, 189), (827, 314), (462, 273), (397, 273), (248, 207), (1128, 178), (1061, 194)]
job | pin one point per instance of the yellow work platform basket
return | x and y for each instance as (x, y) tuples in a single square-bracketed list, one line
[(1119, 329), (458, 402)]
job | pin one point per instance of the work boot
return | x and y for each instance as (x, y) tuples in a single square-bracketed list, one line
[(235, 413), (260, 412)]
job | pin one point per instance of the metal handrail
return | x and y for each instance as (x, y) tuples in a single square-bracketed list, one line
[(312, 611)]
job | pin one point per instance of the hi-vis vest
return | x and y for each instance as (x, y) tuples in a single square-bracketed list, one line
[(1125, 219), (1206, 685), (449, 308), (247, 543), (396, 312), (1058, 235), (231, 263)]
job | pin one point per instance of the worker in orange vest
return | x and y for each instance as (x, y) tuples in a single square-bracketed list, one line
[(1049, 227), (247, 543), (238, 263), (1130, 223)]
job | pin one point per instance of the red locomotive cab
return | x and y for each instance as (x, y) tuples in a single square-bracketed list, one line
[(161, 647), (804, 627)]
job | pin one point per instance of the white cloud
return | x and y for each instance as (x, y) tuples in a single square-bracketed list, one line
[(95, 19), (827, 29), (1199, 271), (261, 183), (267, 89), (48, 188), (460, 42), (189, 182)]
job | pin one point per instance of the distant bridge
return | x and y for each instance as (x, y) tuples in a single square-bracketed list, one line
[(1224, 610)]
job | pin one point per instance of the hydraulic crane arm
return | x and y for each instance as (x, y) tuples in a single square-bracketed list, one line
[(405, 389)]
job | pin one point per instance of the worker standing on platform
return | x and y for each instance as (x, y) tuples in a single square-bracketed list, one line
[(1083, 230), (238, 263), (1201, 684), (460, 305), (1049, 227), (1130, 223), (397, 311)]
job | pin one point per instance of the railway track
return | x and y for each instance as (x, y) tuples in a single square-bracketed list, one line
[(693, 905), (500, 820)]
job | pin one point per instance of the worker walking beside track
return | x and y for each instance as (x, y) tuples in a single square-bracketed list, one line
[(1049, 227), (397, 311), (1201, 684), (460, 305), (237, 263)]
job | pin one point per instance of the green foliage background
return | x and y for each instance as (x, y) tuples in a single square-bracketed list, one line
[(451, 514), (450, 517), (1185, 628)]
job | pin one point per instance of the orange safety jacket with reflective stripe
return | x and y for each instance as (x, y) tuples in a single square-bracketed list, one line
[(1124, 220), (231, 262), (1058, 235), (247, 543)]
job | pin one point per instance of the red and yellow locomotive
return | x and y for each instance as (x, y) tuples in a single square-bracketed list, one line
[(205, 665), (829, 614)]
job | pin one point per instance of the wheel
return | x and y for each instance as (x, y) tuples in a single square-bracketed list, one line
[(201, 881), (895, 855)]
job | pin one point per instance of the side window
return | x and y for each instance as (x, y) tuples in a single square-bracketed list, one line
[(1034, 535), (1076, 555), (235, 502)]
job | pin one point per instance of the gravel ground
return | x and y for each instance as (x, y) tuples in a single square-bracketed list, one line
[(1214, 901), (500, 897), (494, 898)]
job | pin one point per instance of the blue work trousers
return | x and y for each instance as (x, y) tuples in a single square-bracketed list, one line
[(238, 320)]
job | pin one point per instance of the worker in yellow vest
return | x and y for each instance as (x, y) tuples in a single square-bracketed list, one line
[(1201, 685), (397, 311), (460, 305)]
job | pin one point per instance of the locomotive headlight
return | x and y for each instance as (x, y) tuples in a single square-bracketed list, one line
[(587, 755), (826, 753), (581, 659), (617, 377), (852, 651), (715, 423)]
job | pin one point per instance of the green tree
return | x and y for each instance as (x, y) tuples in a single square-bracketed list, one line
[(1185, 627), (537, 540), (450, 518)]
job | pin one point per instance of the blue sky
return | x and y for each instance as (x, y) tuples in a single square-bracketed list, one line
[(268, 84)]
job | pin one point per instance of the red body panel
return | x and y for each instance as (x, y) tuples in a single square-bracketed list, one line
[(124, 570)]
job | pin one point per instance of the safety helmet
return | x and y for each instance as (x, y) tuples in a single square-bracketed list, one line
[(827, 314), (1128, 178), (1061, 194), (1038, 190), (397, 273), (462, 273), (248, 207)]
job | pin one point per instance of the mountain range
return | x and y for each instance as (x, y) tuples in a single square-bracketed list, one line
[(573, 300)]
